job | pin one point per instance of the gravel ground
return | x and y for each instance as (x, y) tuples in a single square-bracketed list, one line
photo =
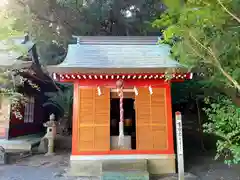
[(15, 172)]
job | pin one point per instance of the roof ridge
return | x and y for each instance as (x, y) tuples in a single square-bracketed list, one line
[(114, 40)]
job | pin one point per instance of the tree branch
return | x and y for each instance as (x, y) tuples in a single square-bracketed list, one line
[(227, 11), (42, 18), (211, 53)]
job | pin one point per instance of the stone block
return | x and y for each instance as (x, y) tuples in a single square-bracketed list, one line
[(85, 168), (124, 165), (165, 165), (130, 175)]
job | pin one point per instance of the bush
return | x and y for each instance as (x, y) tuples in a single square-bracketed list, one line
[(224, 122)]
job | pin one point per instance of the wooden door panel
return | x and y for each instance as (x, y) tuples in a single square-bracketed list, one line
[(87, 93), (86, 134), (94, 120), (86, 146), (143, 119), (86, 105), (102, 135), (86, 119), (144, 139), (151, 119), (144, 145), (159, 137), (85, 138), (102, 121)]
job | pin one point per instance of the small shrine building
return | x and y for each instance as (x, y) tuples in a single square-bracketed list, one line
[(94, 65)]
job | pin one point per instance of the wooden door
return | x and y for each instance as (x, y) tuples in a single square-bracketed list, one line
[(151, 119), (144, 140), (94, 120)]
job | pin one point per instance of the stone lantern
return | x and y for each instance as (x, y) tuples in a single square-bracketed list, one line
[(51, 134)]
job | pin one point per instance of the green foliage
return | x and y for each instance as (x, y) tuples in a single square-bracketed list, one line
[(7, 29), (205, 36), (62, 99), (185, 91), (53, 22), (224, 122)]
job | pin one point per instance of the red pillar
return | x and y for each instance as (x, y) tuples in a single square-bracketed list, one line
[(169, 119), (75, 118)]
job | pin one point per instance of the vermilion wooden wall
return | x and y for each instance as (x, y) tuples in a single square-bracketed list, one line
[(91, 121)]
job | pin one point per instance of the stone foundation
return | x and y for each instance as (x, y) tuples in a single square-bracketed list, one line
[(96, 165), (162, 166)]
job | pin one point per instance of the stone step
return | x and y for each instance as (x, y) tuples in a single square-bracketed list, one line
[(96, 168), (121, 175), (21, 143), (124, 165)]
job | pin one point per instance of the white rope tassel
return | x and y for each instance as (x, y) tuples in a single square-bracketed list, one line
[(121, 127)]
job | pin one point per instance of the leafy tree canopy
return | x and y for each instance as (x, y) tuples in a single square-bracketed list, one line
[(205, 34), (53, 22)]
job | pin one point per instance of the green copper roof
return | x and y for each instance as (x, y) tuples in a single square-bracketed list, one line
[(109, 52), (118, 55)]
